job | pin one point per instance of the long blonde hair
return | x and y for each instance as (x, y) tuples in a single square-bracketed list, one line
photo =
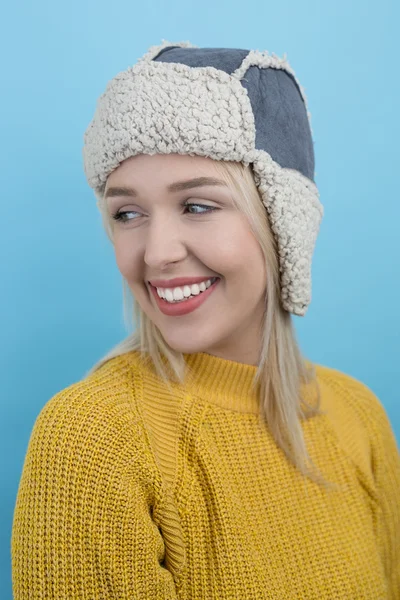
[(281, 370)]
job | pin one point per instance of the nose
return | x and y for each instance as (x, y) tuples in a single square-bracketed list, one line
[(164, 244)]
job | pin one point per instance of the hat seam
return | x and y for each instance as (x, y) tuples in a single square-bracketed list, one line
[(265, 60)]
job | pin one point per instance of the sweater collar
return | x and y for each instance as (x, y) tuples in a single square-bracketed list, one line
[(223, 382)]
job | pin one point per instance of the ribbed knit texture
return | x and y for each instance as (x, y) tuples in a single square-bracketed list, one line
[(129, 491)]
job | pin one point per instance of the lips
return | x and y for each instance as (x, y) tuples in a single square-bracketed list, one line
[(176, 309)]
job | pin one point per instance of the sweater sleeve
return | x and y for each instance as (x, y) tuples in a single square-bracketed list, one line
[(386, 467), (83, 523)]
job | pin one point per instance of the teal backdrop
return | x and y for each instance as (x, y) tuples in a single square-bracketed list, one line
[(61, 293)]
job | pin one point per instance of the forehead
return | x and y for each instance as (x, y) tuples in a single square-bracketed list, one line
[(161, 169)]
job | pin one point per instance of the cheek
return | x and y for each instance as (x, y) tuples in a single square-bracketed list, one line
[(239, 249)]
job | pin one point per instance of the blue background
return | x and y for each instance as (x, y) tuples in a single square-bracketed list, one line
[(61, 292)]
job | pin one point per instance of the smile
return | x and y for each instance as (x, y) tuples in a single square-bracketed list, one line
[(183, 306)]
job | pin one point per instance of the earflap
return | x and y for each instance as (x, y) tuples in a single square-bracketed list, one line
[(295, 214)]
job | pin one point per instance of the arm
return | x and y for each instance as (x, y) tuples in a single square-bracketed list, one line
[(83, 523), (386, 467)]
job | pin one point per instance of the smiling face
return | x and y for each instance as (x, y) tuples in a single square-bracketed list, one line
[(157, 237)]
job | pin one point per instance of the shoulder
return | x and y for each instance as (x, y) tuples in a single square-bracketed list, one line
[(341, 390), (357, 417), (94, 410), (88, 449), (103, 391)]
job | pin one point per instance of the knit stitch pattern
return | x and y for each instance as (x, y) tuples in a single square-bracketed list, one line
[(130, 490)]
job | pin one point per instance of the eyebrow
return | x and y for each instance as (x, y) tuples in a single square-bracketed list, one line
[(178, 186)]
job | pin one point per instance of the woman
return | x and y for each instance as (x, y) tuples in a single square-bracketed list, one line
[(205, 457)]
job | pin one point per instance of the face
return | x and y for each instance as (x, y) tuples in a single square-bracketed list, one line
[(191, 230)]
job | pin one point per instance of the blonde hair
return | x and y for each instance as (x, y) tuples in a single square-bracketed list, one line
[(281, 370)]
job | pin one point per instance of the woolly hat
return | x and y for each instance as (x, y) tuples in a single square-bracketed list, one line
[(226, 104)]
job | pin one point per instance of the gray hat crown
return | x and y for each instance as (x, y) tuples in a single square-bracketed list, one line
[(281, 120)]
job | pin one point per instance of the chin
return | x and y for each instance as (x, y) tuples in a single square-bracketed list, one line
[(186, 346)]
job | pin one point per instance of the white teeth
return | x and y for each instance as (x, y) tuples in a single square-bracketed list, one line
[(180, 293), (170, 295)]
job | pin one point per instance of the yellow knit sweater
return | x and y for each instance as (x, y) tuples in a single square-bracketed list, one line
[(129, 491)]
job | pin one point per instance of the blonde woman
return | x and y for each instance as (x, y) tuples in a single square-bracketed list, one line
[(204, 457)]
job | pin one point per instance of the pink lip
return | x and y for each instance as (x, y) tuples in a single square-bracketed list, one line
[(182, 308)]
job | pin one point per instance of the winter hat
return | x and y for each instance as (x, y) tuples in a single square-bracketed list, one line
[(226, 104)]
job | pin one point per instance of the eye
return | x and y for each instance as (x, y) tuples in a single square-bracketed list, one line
[(121, 215), (208, 208)]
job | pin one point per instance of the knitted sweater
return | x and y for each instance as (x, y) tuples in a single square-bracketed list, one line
[(129, 491)]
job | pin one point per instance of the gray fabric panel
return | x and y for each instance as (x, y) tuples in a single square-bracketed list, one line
[(224, 59), (282, 127)]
